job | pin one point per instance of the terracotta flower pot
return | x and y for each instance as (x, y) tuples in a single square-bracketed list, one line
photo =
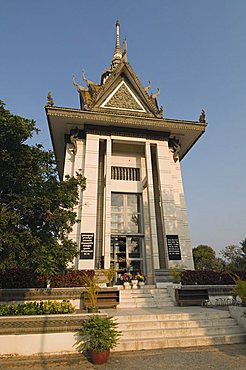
[(99, 358)]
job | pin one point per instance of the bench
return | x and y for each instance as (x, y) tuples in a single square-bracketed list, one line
[(106, 298), (191, 297)]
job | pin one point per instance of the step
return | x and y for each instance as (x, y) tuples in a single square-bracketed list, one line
[(139, 325), (138, 300), (135, 296), (136, 305), (179, 332), (174, 316), (153, 343)]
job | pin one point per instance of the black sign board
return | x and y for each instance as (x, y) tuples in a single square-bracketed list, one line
[(173, 247), (87, 246)]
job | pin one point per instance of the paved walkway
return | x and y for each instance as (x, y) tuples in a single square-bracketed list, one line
[(229, 357)]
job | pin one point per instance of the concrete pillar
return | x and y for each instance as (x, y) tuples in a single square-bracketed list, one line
[(174, 214), (182, 218), (151, 207), (107, 205), (89, 206)]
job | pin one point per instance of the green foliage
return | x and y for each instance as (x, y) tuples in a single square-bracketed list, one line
[(97, 334), (22, 278), (205, 258), (208, 277), (109, 273), (176, 275), (240, 288), (234, 258), (243, 245), (35, 207), (36, 308), (91, 284)]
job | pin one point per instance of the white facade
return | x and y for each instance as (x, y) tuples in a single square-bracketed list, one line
[(95, 211), (132, 213)]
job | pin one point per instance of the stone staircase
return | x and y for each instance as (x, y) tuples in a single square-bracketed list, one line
[(177, 328), (148, 296)]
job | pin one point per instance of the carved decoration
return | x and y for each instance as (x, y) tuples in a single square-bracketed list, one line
[(174, 146), (74, 135), (123, 99), (161, 111), (50, 101), (154, 96), (202, 117), (148, 87), (78, 87)]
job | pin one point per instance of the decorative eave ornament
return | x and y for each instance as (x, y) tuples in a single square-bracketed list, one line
[(78, 87), (50, 101), (202, 118), (174, 146)]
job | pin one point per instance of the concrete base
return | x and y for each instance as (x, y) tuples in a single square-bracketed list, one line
[(239, 314)]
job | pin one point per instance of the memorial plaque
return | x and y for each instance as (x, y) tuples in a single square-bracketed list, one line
[(173, 247), (86, 246)]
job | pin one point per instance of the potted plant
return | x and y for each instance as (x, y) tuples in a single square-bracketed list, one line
[(110, 275), (91, 290), (140, 278), (98, 335), (126, 278)]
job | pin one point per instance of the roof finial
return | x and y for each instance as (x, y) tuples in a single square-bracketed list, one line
[(117, 52)]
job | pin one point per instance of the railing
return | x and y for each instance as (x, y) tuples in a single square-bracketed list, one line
[(125, 173)]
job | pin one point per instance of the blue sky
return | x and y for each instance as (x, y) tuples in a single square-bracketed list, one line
[(195, 50)]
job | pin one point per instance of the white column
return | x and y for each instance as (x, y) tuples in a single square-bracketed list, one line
[(166, 188), (151, 205), (182, 218), (69, 161), (107, 206), (73, 163), (89, 206), (172, 204)]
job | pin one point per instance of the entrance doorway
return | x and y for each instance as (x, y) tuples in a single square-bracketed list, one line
[(127, 238)]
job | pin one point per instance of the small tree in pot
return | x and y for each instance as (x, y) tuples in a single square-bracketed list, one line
[(110, 275), (98, 335), (92, 288)]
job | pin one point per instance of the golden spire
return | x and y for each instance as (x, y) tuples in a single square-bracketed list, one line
[(117, 52)]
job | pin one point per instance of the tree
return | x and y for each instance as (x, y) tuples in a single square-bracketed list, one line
[(205, 258), (36, 209), (243, 245), (234, 257)]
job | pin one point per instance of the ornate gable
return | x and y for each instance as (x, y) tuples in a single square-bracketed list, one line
[(123, 98), (120, 91)]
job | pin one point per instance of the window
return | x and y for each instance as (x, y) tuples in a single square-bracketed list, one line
[(125, 173), (126, 214)]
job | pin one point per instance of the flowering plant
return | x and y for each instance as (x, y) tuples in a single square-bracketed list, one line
[(126, 277), (139, 277)]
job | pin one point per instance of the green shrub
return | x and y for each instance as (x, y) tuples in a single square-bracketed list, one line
[(207, 277), (36, 308)]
